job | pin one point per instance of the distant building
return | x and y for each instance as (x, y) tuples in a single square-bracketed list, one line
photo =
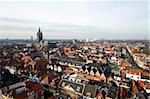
[(74, 41), (52, 45), (39, 36), (31, 38)]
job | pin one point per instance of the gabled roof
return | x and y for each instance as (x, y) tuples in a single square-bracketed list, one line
[(29, 88), (134, 71), (41, 64), (33, 86), (134, 87)]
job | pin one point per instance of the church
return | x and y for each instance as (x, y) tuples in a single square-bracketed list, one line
[(39, 36), (41, 43)]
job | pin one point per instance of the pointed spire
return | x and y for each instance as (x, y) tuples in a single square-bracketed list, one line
[(39, 35), (39, 30)]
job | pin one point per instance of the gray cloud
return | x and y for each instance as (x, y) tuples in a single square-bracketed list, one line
[(10, 23), (58, 30)]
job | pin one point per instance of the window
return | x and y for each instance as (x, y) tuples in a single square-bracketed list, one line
[(78, 88), (99, 97), (102, 81), (63, 84)]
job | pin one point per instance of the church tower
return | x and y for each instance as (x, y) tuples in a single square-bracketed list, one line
[(39, 36)]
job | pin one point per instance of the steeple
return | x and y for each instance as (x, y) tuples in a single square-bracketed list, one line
[(39, 35), (39, 30)]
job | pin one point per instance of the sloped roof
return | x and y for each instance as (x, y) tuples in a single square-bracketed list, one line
[(90, 89)]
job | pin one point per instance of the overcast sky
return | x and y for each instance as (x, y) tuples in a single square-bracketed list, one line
[(75, 20)]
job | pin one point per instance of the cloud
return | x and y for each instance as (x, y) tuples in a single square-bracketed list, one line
[(10, 25), (91, 19)]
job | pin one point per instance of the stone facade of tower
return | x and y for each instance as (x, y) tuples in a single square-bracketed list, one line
[(39, 36)]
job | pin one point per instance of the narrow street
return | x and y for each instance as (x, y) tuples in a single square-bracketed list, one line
[(131, 60)]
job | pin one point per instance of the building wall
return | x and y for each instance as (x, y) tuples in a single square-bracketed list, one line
[(117, 78), (132, 76)]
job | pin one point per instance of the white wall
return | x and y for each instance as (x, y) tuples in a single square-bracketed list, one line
[(132, 76), (117, 78)]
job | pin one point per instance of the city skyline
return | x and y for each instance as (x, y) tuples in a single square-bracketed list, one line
[(75, 20)]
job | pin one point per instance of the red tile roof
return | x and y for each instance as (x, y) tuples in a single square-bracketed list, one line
[(67, 48), (48, 78), (146, 74), (70, 53), (34, 86), (125, 63), (52, 97), (141, 83), (30, 86), (134, 87), (134, 71), (26, 57)]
